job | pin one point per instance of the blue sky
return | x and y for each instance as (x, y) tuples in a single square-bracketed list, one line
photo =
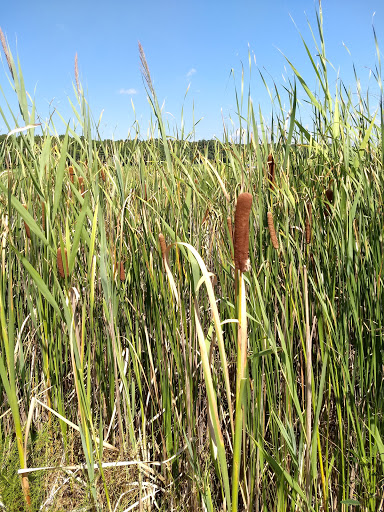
[(196, 43)]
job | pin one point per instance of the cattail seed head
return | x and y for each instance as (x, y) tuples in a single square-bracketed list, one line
[(82, 186), (271, 170), (308, 224), (272, 231), (43, 214), (60, 266), (71, 173), (241, 237), (27, 230), (163, 245), (122, 271)]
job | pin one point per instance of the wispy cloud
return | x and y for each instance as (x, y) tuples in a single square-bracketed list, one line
[(128, 91), (191, 72)]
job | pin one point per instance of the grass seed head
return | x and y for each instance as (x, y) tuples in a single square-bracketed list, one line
[(241, 238), (43, 214), (272, 231), (6, 51)]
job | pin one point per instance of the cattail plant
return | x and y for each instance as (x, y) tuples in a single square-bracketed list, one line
[(27, 230), (241, 257), (271, 170), (308, 224), (60, 265), (272, 231)]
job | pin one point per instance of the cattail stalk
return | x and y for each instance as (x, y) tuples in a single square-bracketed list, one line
[(308, 224), (272, 231), (60, 265)]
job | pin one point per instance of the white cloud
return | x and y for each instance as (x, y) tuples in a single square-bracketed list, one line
[(128, 91), (191, 72)]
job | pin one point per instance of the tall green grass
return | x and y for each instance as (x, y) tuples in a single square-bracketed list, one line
[(218, 389)]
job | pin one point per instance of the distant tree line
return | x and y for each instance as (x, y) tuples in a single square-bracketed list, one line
[(150, 150)]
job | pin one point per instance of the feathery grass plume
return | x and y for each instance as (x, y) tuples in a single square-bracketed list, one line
[(71, 173), (77, 75), (241, 238), (43, 214), (60, 265), (27, 230), (122, 271), (6, 51), (271, 170), (272, 231), (163, 245), (308, 223), (145, 69)]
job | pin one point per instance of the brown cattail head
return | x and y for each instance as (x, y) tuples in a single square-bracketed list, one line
[(27, 230), (122, 271), (163, 245), (271, 170), (43, 214), (71, 173), (102, 174), (241, 238), (272, 231), (60, 266), (308, 223), (81, 185), (329, 196)]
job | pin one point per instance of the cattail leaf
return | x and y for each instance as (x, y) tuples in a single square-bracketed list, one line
[(77, 235), (364, 142), (60, 176), (41, 285), (26, 216)]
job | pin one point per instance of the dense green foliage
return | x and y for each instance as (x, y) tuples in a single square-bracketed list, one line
[(116, 345)]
